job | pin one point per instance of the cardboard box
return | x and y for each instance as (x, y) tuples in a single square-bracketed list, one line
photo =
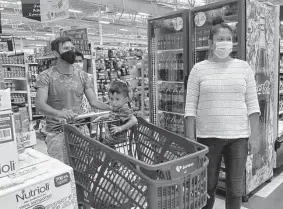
[(5, 100), (41, 183), (8, 144)]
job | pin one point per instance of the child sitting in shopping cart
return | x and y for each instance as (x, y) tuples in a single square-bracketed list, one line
[(122, 116)]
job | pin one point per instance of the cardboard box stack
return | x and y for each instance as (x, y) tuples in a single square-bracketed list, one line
[(8, 144), (42, 182), (28, 178)]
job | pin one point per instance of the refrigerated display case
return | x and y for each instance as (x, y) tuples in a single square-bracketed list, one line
[(168, 63), (254, 24)]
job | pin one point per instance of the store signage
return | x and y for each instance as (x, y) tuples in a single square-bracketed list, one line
[(178, 23), (200, 19), (80, 39), (31, 9), (53, 10)]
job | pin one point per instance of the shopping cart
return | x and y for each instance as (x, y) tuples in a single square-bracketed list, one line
[(151, 168)]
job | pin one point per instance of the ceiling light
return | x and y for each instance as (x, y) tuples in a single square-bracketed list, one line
[(104, 22), (75, 11), (30, 38), (50, 34), (39, 45), (8, 2), (123, 29), (144, 14)]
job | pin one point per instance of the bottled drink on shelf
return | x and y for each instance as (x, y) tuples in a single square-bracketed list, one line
[(167, 68), (161, 67), (174, 68), (180, 126), (173, 124), (168, 99), (160, 98), (205, 37), (167, 122), (180, 71), (181, 100), (180, 41), (162, 120), (175, 97), (163, 99)]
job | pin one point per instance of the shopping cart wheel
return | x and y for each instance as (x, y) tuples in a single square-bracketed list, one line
[(246, 198)]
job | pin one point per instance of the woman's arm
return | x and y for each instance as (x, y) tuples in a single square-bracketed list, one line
[(192, 103)]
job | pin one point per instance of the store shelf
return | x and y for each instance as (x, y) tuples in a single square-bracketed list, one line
[(13, 65), (45, 57), (169, 50), (174, 113), (171, 82), (33, 63), (19, 92), (19, 79)]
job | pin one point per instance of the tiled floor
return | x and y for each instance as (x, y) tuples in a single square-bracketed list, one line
[(269, 197)]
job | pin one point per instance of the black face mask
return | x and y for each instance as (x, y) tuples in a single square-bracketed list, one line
[(69, 56)]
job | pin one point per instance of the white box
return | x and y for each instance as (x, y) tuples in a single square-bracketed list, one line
[(5, 100), (8, 144), (41, 183)]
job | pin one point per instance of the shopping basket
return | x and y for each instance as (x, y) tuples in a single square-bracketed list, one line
[(152, 169)]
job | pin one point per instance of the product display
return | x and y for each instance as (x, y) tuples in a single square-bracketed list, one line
[(167, 72)]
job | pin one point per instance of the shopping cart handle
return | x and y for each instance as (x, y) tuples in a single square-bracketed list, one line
[(92, 114)]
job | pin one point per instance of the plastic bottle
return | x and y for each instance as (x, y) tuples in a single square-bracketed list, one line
[(174, 69), (181, 100), (175, 97), (169, 99), (167, 68), (161, 68), (163, 100), (168, 122), (160, 98), (180, 126), (162, 121), (180, 71), (174, 124)]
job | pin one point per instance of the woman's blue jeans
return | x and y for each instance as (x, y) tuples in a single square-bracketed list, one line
[(235, 152)]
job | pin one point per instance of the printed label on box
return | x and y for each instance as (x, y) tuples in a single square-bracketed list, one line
[(6, 128)]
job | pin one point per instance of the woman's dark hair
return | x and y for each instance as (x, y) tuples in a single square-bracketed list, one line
[(119, 87), (79, 54), (218, 23)]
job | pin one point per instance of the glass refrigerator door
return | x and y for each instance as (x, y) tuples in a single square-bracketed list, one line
[(202, 23), (167, 41)]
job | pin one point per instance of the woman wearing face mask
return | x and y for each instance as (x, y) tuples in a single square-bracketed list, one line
[(221, 102)]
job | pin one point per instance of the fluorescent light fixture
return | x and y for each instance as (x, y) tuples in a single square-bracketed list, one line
[(8, 2), (30, 44), (30, 38), (75, 11), (104, 22), (123, 29), (143, 14), (281, 22), (39, 45), (50, 34)]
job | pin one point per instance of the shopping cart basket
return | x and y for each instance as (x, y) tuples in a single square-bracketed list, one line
[(152, 169)]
